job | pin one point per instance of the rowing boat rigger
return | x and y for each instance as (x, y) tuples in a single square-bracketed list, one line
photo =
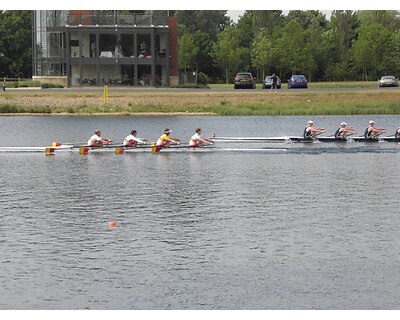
[(47, 150), (173, 149)]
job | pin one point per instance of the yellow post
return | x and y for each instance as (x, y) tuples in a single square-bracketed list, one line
[(105, 94)]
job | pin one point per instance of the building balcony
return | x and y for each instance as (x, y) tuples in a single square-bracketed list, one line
[(142, 20)]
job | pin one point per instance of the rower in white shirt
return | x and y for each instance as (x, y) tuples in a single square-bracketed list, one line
[(197, 141), (132, 140), (97, 141)]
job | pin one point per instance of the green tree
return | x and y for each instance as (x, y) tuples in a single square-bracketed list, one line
[(307, 18), (344, 24), (294, 49), (209, 21), (227, 53), (317, 46), (387, 18), (16, 43), (244, 29), (371, 48), (341, 34), (266, 19), (204, 26), (262, 51), (187, 52), (395, 48)]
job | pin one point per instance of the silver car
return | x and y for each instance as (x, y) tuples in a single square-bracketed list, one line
[(388, 81)]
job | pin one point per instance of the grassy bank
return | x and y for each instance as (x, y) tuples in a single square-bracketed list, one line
[(242, 102)]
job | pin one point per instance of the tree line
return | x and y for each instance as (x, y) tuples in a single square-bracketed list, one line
[(16, 44), (350, 45)]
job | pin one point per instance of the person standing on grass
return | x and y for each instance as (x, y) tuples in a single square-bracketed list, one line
[(274, 82)]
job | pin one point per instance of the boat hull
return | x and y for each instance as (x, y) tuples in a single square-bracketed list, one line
[(301, 139)]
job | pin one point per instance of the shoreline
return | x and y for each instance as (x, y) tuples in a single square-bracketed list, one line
[(115, 114)]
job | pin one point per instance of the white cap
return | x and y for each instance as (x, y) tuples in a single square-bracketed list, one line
[(371, 121), (343, 124), (310, 122)]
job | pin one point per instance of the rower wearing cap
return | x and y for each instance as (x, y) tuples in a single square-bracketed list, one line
[(165, 140), (372, 132), (132, 140), (310, 132), (97, 141), (197, 141), (397, 134), (343, 132)]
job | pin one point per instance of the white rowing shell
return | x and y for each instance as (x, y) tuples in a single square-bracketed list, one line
[(33, 149)]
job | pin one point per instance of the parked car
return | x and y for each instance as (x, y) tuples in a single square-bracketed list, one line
[(244, 80), (267, 83), (297, 81), (388, 81)]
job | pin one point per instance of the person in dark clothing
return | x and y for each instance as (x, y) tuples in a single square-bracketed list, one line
[(397, 134), (343, 132), (274, 82), (372, 133)]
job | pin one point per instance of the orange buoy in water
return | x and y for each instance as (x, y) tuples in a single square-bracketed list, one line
[(112, 224)]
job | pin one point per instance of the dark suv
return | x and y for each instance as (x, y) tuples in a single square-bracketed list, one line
[(244, 80)]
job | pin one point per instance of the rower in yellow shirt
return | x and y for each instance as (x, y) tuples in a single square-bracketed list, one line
[(165, 140)]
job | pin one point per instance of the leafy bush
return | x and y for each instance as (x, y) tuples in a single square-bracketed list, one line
[(29, 83), (9, 108), (219, 81), (50, 85), (202, 78), (191, 86), (23, 84)]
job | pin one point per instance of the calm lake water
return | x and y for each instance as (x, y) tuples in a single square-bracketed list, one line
[(317, 228)]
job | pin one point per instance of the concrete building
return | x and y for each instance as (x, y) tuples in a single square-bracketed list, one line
[(93, 48)]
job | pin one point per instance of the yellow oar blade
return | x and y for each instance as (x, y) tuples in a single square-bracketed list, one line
[(49, 151), (154, 148), (83, 151)]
